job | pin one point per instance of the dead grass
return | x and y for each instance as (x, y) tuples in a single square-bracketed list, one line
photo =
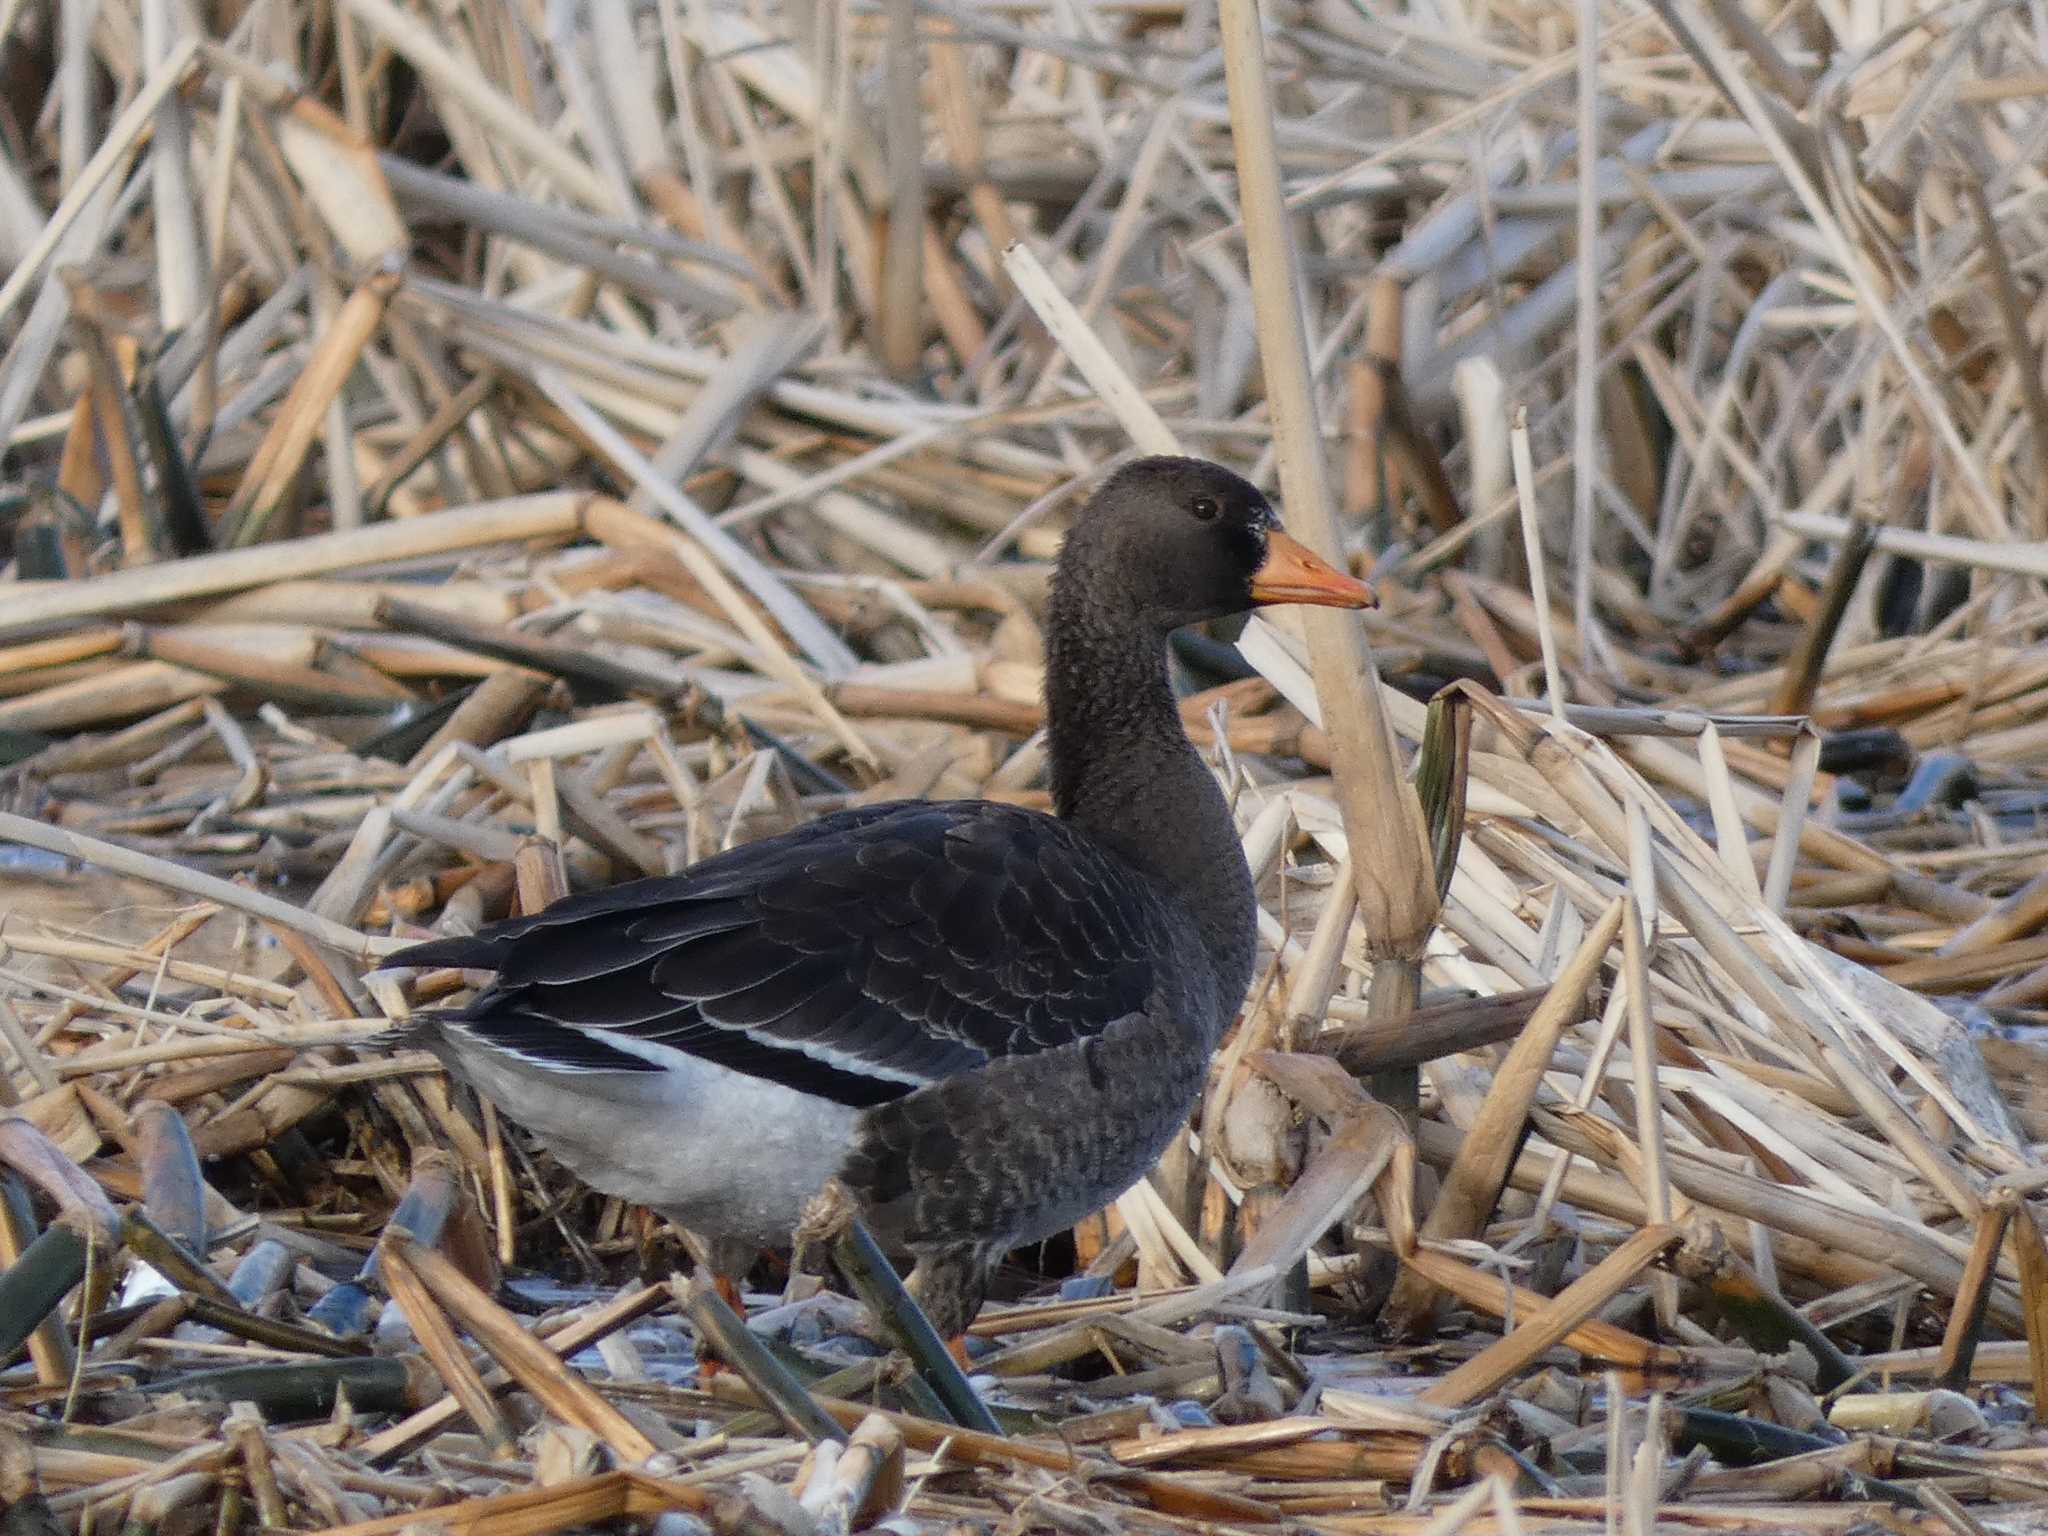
[(457, 454)]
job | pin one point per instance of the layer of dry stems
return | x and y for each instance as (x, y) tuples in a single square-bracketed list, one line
[(460, 453)]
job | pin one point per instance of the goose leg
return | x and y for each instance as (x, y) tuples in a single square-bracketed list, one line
[(708, 1364), (949, 1284), (722, 1259)]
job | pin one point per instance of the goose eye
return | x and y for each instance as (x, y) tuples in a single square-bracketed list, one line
[(1205, 508)]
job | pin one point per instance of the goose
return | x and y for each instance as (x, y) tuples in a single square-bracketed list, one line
[(985, 1021)]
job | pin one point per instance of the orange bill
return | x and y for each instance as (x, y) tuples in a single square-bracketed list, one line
[(1292, 573)]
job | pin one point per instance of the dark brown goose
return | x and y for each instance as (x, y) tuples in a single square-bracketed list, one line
[(988, 1022)]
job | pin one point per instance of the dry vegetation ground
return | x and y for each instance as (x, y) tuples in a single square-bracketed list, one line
[(459, 451)]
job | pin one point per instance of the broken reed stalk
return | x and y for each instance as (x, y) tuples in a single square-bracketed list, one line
[(1476, 1178), (270, 1332), (174, 1193), (1803, 670), (1384, 829), (243, 1431), (93, 850), (1637, 928), (2032, 1253), (874, 1279), (444, 1352), (1966, 1315), (1432, 1031), (1754, 1310), (49, 1346), (1502, 1360), (1441, 779), (726, 1335), (1532, 550), (865, 1482), (903, 276), (1721, 1023), (525, 1358), (274, 468), (1365, 1139), (34, 1284), (1170, 1496), (108, 396), (549, 514), (563, 1342), (163, 1251), (1344, 1168)]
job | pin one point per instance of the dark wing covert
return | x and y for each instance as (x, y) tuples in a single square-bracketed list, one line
[(857, 957)]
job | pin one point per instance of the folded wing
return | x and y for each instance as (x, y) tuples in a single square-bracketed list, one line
[(857, 958)]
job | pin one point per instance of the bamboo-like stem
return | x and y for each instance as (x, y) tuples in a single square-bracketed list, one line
[(1532, 549), (275, 466), (310, 1389), (1587, 457), (1382, 819), (244, 1431), (166, 77), (902, 281), (32, 1286), (1480, 1173), (1966, 1317), (1804, 667), (524, 1357), (1756, 1311), (111, 410), (165, 1252), (521, 517), (1574, 1304), (437, 1338), (49, 1346), (174, 1192), (868, 1270), (1431, 1031), (93, 850), (271, 1332), (2033, 1268), (1642, 1050), (725, 1333)]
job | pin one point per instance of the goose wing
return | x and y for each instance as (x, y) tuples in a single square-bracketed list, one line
[(856, 958)]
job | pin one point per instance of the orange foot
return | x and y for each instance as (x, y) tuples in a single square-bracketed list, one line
[(957, 1348), (729, 1290), (708, 1364)]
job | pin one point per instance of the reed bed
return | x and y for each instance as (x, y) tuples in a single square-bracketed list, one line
[(458, 454)]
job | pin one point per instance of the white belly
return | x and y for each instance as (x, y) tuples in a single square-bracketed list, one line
[(722, 1153)]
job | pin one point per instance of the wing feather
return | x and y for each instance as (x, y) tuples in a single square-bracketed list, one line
[(857, 957)]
